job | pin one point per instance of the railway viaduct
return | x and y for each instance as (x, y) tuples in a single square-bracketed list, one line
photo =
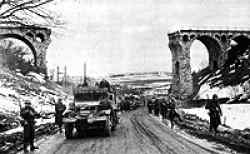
[(217, 42), (36, 38)]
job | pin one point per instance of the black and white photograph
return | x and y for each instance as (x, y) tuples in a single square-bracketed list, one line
[(124, 77)]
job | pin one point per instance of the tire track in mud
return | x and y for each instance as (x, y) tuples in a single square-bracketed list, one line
[(141, 128), (90, 148), (133, 143), (180, 139), (138, 133)]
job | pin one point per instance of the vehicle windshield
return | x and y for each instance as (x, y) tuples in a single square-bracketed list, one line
[(90, 96)]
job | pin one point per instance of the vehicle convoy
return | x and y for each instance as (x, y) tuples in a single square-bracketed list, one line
[(93, 108)]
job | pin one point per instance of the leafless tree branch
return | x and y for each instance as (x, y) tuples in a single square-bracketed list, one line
[(27, 12)]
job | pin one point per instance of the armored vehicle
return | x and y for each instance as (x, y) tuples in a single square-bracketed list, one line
[(93, 108)]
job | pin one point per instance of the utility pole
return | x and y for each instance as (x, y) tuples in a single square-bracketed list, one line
[(84, 75), (65, 75), (57, 74)]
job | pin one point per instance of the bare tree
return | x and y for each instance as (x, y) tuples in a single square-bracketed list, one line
[(27, 12)]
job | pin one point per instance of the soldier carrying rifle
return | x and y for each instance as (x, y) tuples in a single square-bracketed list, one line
[(59, 109), (214, 113), (28, 115), (172, 110)]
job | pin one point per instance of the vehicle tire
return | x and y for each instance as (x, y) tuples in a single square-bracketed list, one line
[(107, 129), (69, 131)]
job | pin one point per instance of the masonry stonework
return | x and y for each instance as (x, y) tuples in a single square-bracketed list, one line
[(217, 43), (37, 38)]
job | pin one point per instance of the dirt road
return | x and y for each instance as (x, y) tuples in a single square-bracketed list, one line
[(138, 133)]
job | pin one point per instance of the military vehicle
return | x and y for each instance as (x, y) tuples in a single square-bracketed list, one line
[(94, 108)]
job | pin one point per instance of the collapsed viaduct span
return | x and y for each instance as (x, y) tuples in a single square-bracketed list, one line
[(217, 42), (36, 38)]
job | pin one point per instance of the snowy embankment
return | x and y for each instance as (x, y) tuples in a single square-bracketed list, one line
[(238, 140), (235, 116), (16, 88)]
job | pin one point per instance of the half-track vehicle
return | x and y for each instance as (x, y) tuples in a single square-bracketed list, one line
[(93, 108)]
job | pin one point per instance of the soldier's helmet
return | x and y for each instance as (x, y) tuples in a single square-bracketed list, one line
[(27, 102), (215, 96), (59, 100)]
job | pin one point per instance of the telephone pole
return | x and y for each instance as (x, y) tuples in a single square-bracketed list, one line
[(57, 74), (84, 75), (65, 75)]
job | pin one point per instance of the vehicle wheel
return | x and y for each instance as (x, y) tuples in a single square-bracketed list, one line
[(69, 131), (107, 129)]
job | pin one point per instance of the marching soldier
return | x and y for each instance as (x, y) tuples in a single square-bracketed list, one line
[(28, 115), (214, 113), (157, 107), (163, 108), (150, 106), (172, 112), (59, 109)]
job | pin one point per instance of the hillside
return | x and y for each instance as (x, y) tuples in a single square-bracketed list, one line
[(143, 80), (15, 88)]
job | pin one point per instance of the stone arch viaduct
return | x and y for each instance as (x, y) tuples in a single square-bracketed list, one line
[(36, 38), (217, 42)]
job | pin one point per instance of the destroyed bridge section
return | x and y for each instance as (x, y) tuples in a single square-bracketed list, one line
[(217, 42), (36, 38)]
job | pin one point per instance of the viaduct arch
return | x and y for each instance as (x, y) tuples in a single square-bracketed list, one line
[(36, 38), (217, 42)]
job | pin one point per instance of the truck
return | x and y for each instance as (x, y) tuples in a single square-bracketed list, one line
[(93, 108)]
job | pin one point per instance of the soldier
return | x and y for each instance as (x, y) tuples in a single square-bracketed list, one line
[(172, 112), (163, 109), (59, 109), (157, 107), (105, 84), (214, 113), (28, 115), (150, 104), (127, 104), (123, 105), (120, 104)]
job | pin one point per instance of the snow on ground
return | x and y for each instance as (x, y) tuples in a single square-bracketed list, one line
[(20, 128), (215, 147), (215, 77), (12, 104), (15, 89), (8, 105), (229, 91), (205, 78), (36, 77), (12, 94), (234, 115)]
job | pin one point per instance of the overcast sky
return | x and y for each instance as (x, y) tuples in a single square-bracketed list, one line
[(117, 36)]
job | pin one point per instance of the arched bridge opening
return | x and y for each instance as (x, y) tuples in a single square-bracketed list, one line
[(212, 47), (36, 38), (21, 38), (219, 47)]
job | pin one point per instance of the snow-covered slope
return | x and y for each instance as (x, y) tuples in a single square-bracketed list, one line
[(234, 115), (16, 88)]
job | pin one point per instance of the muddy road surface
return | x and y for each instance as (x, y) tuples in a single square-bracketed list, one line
[(137, 133)]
